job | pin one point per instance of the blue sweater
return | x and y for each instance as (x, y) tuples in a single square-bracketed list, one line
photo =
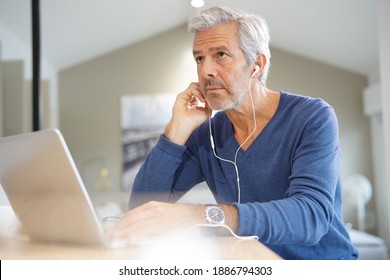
[(289, 178)]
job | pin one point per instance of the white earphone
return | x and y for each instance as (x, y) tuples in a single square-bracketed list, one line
[(257, 69), (234, 161)]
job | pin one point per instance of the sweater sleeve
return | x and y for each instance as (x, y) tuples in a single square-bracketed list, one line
[(304, 216), (165, 175)]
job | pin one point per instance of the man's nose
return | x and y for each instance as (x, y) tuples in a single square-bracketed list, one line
[(209, 69)]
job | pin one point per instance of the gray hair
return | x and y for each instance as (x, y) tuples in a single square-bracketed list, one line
[(253, 32)]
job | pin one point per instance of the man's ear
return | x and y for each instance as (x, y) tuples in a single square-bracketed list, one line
[(261, 61)]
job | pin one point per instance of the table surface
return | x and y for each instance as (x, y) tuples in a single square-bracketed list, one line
[(200, 248)]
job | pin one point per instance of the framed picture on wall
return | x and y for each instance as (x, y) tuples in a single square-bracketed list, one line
[(143, 119)]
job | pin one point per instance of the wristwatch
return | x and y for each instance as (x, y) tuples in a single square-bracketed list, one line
[(215, 215)]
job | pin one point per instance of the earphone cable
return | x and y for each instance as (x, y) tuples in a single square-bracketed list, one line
[(239, 148), (251, 237)]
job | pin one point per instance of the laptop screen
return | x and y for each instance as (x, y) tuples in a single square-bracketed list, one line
[(45, 190)]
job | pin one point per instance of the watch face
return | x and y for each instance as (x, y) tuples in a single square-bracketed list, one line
[(215, 215)]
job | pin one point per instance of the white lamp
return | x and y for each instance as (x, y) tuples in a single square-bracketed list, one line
[(357, 192), (197, 3)]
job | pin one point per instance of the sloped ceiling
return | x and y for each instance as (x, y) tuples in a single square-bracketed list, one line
[(340, 33)]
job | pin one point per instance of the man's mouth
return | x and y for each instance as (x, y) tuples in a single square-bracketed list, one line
[(214, 88)]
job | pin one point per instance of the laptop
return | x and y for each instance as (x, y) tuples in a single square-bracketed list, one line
[(46, 192)]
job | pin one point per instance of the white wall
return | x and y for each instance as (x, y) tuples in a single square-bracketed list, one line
[(15, 49), (384, 61), (373, 109), (1, 98)]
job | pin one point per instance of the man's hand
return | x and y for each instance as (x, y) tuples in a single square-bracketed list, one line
[(187, 114), (156, 218)]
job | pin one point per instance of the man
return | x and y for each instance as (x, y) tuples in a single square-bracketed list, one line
[(270, 158)]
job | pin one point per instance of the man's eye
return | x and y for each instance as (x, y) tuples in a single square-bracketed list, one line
[(199, 59), (221, 54)]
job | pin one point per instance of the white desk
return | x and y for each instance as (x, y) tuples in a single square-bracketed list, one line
[(222, 248)]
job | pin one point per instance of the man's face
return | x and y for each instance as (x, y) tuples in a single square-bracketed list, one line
[(223, 72)]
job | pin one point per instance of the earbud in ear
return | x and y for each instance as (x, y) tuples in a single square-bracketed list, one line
[(257, 68)]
